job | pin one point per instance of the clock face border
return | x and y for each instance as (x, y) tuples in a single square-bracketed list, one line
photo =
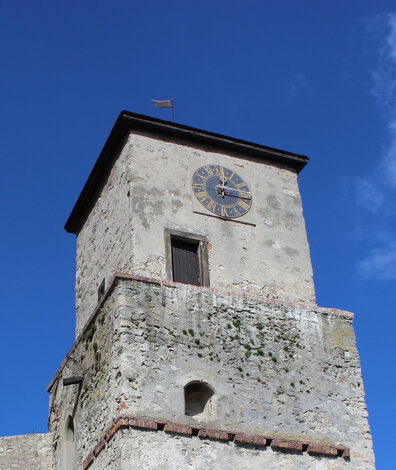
[(248, 217)]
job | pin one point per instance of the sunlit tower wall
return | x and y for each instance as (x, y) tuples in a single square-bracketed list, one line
[(199, 343)]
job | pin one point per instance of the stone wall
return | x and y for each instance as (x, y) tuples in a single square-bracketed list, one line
[(27, 452), (284, 370), (93, 404), (149, 190)]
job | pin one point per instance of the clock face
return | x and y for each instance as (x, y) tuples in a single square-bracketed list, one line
[(221, 191)]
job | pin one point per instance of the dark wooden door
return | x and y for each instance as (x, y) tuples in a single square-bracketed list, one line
[(185, 262)]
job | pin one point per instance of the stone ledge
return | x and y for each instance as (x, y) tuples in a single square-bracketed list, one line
[(254, 440)]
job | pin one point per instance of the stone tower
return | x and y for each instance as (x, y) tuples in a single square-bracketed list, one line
[(199, 344)]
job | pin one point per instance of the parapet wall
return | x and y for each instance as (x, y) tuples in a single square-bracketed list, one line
[(276, 369), (26, 452)]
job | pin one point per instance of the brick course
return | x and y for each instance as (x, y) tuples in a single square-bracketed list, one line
[(282, 445)]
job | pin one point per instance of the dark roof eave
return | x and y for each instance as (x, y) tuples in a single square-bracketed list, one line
[(128, 121)]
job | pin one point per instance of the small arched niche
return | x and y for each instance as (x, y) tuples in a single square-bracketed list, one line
[(68, 445), (198, 400)]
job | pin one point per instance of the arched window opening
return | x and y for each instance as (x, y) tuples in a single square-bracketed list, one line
[(68, 445), (198, 399)]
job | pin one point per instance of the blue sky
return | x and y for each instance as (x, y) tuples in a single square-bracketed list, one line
[(317, 78)]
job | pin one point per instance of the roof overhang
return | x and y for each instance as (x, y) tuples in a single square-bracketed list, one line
[(129, 122)]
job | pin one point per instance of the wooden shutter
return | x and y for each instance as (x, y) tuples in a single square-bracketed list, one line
[(185, 262)]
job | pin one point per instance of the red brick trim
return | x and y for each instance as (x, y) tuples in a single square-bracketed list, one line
[(257, 440), (114, 429), (87, 462), (143, 423), (99, 447), (177, 428), (315, 449), (251, 439), (290, 446), (215, 434)]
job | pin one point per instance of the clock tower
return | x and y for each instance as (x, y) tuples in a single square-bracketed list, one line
[(199, 343)]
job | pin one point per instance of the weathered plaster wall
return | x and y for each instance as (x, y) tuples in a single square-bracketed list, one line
[(26, 452), (276, 369), (96, 356), (149, 189)]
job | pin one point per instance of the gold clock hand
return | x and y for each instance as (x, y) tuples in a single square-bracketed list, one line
[(223, 179), (223, 191)]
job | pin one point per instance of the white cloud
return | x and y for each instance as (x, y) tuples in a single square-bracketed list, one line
[(299, 84), (380, 263), (384, 88), (376, 192), (369, 195), (382, 31)]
